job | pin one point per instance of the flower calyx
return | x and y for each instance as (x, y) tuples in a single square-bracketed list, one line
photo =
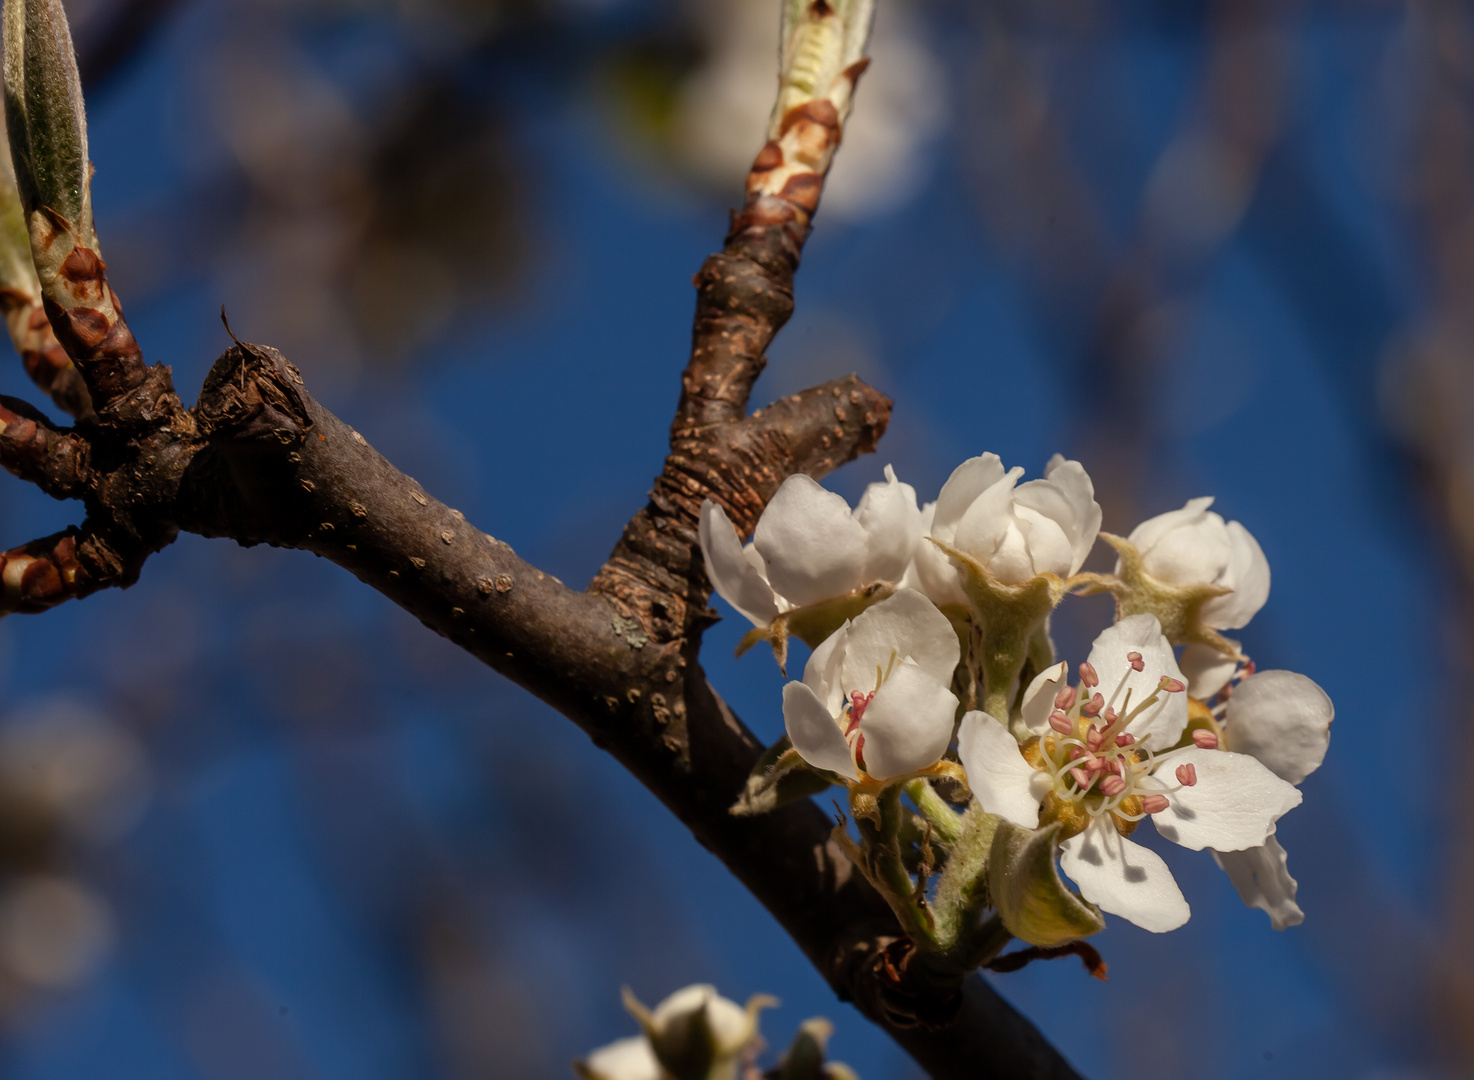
[(1178, 608)]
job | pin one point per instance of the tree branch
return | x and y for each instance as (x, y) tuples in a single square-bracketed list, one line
[(258, 460)]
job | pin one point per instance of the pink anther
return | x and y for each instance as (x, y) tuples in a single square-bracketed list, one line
[(1061, 723), (1187, 775), (1112, 786), (1154, 804), (1065, 698), (1204, 739), (1111, 716), (1125, 739), (1172, 686), (1095, 764), (1093, 706), (1088, 675), (1094, 737), (1076, 752), (1135, 660), (1083, 778), (1113, 766)]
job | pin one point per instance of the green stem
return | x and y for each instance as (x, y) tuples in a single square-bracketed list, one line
[(946, 823), (962, 893), (888, 869)]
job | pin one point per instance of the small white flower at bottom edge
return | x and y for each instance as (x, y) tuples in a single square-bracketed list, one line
[(627, 1059)]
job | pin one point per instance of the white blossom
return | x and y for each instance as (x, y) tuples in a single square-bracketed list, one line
[(809, 546), (1284, 720), (626, 1059), (874, 695), (1017, 531), (1103, 755), (1194, 546)]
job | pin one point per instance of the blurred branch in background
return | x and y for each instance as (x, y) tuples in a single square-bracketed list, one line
[(1428, 399)]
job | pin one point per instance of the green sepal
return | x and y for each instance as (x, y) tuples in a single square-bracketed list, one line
[(780, 776), (1025, 887), (814, 623)]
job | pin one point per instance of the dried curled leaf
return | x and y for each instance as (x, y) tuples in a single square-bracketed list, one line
[(1024, 882), (780, 776)]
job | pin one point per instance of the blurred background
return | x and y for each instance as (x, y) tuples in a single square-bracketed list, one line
[(256, 822)]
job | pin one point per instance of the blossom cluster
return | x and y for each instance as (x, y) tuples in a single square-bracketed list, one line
[(932, 673)]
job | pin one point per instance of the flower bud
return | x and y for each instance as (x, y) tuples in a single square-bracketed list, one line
[(44, 111), (696, 1034)]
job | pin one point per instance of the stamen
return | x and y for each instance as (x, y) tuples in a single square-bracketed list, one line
[(1187, 775), (1094, 737), (1083, 778), (1112, 786), (1076, 752), (1093, 706), (1095, 764), (1154, 804), (1204, 739), (858, 702), (1125, 739), (1061, 723), (1088, 675), (1135, 660), (1065, 698), (1172, 686)]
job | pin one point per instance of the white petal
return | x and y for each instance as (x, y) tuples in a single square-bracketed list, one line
[(969, 480), (1206, 669), (931, 571), (627, 1059), (1283, 719), (1049, 547), (1264, 882), (908, 723), (1162, 722), (1083, 524), (892, 522), (815, 732), (821, 673), (1145, 536), (731, 1025), (682, 1003), (1195, 554), (733, 576), (1039, 697), (1011, 563), (1233, 806), (813, 547), (996, 770), (986, 522), (1247, 575), (1124, 878), (904, 625)]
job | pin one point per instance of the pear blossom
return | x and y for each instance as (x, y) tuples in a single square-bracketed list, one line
[(874, 700), (809, 546), (1104, 754), (1284, 720), (1194, 546), (625, 1059), (694, 1034), (1017, 531)]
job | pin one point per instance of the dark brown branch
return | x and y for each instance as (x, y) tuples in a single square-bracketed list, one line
[(34, 450), (45, 361)]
